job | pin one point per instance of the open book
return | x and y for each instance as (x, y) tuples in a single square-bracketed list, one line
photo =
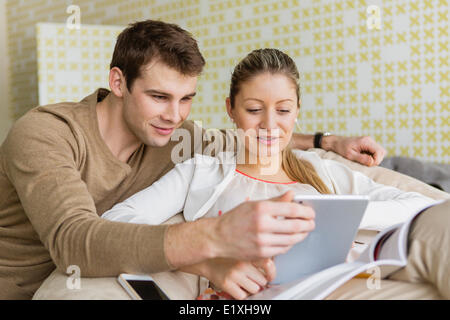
[(391, 245)]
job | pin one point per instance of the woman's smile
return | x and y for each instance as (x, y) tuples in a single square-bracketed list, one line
[(268, 140)]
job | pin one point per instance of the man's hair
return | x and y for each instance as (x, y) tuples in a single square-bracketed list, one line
[(143, 41)]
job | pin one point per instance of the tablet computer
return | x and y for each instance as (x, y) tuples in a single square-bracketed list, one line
[(336, 223)]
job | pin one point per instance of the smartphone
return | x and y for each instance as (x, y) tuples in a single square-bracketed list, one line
[(141, 287)]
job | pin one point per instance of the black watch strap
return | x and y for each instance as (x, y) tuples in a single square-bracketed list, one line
[(318, 139)]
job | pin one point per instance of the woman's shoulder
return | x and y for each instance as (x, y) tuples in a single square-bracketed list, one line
[(222, 158), (202, 165), (306, 154), (322, 166), (318, 162), (199, 158)]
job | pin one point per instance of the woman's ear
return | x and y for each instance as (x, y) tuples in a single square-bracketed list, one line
[(117, 82), (229, 109), (298, 109)]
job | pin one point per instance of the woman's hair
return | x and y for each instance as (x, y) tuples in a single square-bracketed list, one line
[(145, 40), (275, 61)]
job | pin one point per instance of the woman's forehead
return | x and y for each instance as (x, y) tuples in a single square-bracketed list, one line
[(275, 86)]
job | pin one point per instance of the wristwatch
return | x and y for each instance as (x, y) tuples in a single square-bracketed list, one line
[(318, 138)]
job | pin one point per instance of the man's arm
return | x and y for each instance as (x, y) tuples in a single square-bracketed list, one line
[(250, 231), (360, 149), (40, 161)]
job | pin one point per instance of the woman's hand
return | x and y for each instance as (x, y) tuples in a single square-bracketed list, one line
[(239, 278)]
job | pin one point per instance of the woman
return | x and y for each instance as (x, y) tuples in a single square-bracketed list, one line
[(264, 103)]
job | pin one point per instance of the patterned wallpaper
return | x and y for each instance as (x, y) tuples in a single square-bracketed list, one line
[(383, 73), (72, 62)]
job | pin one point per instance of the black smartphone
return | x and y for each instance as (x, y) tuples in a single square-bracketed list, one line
[(141, 287)]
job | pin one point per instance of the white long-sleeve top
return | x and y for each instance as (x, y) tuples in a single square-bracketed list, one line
[(209, 186)]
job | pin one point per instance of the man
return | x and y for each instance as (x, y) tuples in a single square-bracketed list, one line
[(63, 165)]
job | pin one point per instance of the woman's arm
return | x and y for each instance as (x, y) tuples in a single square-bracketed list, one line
[(388, 205), (158, 202)]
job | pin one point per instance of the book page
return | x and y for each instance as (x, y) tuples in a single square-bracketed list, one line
[(305, 288), (369, 254), (392, 256), (395, 247)]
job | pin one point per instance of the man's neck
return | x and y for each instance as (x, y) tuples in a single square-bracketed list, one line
[(113, 129)]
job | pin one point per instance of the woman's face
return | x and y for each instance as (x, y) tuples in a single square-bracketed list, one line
[(265, 109)]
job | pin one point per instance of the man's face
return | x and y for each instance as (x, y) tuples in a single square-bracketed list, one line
[(159, 101)]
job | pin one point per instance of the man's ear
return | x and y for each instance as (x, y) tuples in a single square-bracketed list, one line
[(229, 109), (117, 82)]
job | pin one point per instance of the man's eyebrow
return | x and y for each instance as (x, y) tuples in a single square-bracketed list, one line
[(157, 92), (162, 93), (191, 94)]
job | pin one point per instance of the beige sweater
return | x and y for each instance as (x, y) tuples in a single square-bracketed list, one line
[(57, 176)]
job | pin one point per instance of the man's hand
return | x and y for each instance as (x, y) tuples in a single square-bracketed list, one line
[(262, 229), (360, 149), (251, 231)]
